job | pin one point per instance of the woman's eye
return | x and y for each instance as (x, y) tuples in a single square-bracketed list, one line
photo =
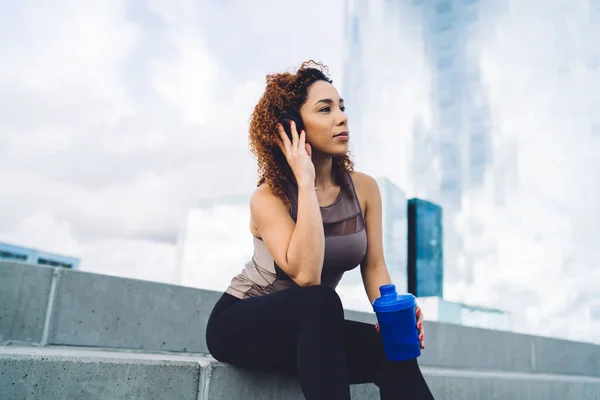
[(327, 109)]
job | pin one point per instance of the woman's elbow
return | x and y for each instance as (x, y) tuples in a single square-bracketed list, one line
[(307, 280)]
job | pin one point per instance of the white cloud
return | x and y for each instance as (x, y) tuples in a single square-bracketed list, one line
[(186, 80), (131, 258)]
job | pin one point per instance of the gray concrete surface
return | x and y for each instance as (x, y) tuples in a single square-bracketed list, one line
[(24, 295), (227, 382), (456, 346), (75, 373), (109, 312), (106, 311), (566, 357), (462, 347)]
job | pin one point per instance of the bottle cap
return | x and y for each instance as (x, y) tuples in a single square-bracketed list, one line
[(391, 301)]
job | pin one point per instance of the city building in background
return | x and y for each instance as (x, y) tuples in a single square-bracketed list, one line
[(425, 249), (420, 114), (440, 310), (426, 272), (9, 252), (460, 130), (214, 243), (395, 232), (415, 70)]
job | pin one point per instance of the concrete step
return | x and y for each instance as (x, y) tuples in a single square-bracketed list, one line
[(65, 373), (53, 306)]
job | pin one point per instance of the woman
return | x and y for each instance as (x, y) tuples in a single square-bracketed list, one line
[(312, 219)]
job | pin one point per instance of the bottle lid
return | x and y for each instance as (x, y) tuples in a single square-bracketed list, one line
[(392, 301)]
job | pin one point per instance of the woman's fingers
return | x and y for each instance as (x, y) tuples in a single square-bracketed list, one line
[(308, 149), (420, 326), (302, 140), (295, 138), (285, 145)]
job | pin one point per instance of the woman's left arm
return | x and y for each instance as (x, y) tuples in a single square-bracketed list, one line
[(373, 269)]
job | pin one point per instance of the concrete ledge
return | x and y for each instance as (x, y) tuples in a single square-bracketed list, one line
[(227, 382), (565, 357), (106, 311), (93, 310), (464, 347), (79, 375), (68, 373), (24, 295)]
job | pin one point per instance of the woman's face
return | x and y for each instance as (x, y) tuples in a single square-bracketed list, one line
[(324, 120)]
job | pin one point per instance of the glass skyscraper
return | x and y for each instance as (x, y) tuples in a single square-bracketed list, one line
[(432, 131), (425, 249), (394, 230), (489, 110)]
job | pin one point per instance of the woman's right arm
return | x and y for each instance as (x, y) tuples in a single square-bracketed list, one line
[(298, 248)]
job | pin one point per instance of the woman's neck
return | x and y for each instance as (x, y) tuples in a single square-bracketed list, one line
[(323, 171)]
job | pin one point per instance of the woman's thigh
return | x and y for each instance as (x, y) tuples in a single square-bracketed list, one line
[(261, 333)]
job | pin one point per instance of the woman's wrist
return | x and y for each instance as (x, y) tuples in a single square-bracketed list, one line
[(307, 185)]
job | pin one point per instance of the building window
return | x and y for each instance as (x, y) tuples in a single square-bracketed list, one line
[(7, 255), (52, 263)]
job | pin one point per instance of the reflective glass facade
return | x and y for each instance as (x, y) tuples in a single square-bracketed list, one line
[(394, 218), (425, 249)]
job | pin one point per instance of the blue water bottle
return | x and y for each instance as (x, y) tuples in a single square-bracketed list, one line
[(397, 323)]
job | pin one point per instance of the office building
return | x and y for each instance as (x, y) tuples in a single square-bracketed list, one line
[(425, 249), (440, 310), (214, 242), (394, 230), (9, 252), (424, 115)]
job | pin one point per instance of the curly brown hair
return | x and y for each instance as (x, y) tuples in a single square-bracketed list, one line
[(286, 91)]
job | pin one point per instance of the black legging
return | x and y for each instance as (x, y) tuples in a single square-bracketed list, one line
[(302, 330)]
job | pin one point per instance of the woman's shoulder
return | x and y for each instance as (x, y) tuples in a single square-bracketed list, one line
[(262, 193), (265, 204), (363, 181), (367, 190), (264, 197)]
